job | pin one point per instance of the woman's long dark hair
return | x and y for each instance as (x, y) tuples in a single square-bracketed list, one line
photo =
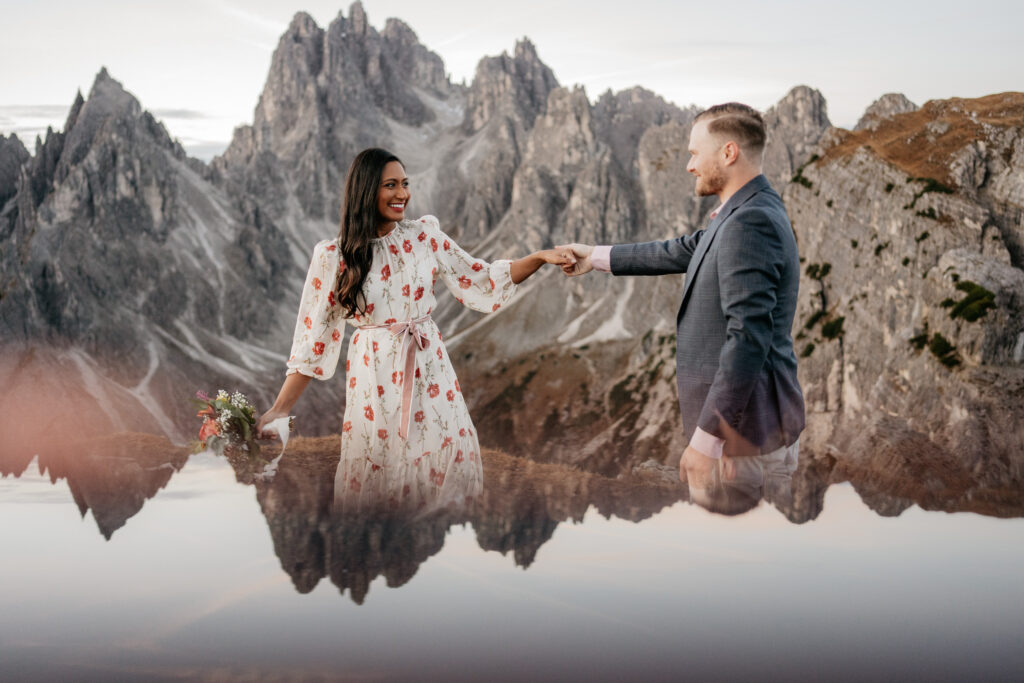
[(359, 222)]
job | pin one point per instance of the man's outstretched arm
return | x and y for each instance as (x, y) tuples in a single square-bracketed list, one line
[(663, 257)]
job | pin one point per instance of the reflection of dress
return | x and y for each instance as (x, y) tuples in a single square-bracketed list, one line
[(440, 459)]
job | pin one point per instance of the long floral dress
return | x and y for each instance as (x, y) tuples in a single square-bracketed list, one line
[(439, 462)]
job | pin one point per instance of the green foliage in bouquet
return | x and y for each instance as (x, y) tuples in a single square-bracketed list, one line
[(229, 422)]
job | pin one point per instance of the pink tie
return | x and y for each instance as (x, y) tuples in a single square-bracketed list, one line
[(412, 339)]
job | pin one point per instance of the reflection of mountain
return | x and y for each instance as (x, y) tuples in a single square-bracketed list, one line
[(112, 476), (522, 504)]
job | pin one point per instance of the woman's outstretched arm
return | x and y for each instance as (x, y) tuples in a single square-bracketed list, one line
[(520, 269), (294, 385)]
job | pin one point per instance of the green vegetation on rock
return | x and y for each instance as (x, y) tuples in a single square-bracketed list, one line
[(975, 304), (942, 349), (833, 328)]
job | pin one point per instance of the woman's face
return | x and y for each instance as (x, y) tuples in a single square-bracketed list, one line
[(393, 194)]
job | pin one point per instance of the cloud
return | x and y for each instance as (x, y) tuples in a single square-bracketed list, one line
[(179, 114), (259, 21)]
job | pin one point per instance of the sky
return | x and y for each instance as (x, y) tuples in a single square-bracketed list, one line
[(199, 65)]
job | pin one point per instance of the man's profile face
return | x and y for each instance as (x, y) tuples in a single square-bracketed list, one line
[(706, 160)]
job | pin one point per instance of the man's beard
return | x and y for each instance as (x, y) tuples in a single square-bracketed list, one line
[(711, 182)]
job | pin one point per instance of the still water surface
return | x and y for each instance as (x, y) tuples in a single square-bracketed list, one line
[(204, 576)]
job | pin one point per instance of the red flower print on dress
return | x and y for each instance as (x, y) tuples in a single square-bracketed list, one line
[(490, 282), (450, 395), (374, 467), (331, 247), (316, 283), (495, 307), (354, 484), (437, 478), (369, 309), (307, 322), (393, 249), (336, 335), (419, 416), (422, 236), (380, 390), (405, 290), (366, 360), (385, 272), (433, 390), (355, 339), (318, 371), (331, 301), (407, 246), (465, 282), (352, 382), (462, 432), (439, 355), (447, 442), (457, 387), (348, 365), (368, 412), (419, 294), (417, 373), (382, 434), (389, 321), (433, 244), (347, 427), (376, 347), (458, 457), (447, 246), (318, 348), (477, 267)]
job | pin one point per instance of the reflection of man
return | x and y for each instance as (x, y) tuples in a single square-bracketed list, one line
[(735, 485), (735, 366)]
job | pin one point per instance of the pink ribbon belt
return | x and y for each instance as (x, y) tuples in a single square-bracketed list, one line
[(412, 339)]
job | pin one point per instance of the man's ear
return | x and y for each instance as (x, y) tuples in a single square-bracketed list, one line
[(730, 153)]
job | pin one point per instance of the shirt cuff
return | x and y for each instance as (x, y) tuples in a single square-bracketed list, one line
[(601, 259), (707, 444)]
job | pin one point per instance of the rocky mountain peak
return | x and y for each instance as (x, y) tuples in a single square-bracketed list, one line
[(621, 118), (108, 107), (413, 61), (886, 106), (519, 83), (795, 125), (12, 155), (358, 23)]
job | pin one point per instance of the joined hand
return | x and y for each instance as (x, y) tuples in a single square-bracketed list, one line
[(582, 263)]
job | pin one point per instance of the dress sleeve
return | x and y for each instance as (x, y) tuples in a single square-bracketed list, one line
[(316, 344), (475, 283)]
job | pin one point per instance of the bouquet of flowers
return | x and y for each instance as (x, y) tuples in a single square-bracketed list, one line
[(229, 420)]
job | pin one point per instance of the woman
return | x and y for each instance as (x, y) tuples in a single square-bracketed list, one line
[(407, 439)]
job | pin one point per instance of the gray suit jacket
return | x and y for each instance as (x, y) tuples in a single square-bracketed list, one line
[(734, 349)]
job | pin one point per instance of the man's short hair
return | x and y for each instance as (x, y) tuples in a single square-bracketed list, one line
[(739, 123)]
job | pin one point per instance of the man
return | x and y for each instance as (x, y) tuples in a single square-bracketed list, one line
[(735, 366)]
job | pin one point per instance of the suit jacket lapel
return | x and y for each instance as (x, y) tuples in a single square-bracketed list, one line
[(736, 201)]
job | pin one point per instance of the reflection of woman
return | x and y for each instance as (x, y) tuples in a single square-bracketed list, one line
[(405, 417)]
